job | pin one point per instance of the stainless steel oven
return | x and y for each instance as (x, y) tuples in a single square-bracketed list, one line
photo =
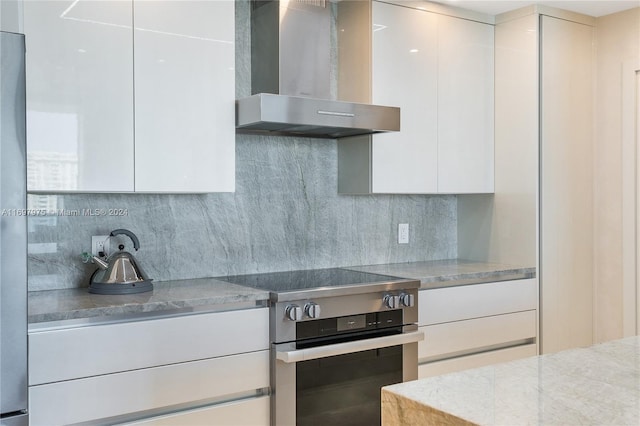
[(337, 337), (332, 373)]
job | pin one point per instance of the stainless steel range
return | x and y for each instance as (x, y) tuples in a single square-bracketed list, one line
[(337, 337)]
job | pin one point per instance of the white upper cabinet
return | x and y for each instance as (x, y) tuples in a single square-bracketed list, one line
[(439, 70), (404, 74), (465, 106), (79, 64), (184, 96), (11, 16), (130, 96)]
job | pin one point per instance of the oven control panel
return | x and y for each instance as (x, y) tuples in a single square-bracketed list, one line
[(287, 315), (311, 310), (349, 324)]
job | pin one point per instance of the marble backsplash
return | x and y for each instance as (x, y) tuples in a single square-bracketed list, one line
[(285, 215)]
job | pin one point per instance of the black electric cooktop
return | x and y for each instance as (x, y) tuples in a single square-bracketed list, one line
[(316, 281)]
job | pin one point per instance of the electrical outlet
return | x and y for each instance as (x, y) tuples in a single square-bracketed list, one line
[(403, 233), (99, 245)]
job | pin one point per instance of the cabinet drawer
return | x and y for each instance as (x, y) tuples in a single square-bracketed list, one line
[(248, 412), (477, 360), (73, 353), (460, 337), (477, 300), (118, 394)]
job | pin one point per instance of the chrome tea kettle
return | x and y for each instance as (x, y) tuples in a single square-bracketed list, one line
[(120, 272)]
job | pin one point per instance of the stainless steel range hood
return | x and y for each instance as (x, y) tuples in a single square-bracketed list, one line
[(291, 75), (292, 115)]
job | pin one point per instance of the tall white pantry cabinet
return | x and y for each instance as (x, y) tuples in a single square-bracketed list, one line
[(542, 211), (130, 96), (566, 183)]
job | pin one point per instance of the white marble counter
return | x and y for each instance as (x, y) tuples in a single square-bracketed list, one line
[(599, 385)]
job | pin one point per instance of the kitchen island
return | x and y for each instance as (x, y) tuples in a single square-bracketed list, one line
[(597, 385)]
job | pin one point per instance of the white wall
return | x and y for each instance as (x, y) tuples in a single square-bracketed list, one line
[(617, 44)]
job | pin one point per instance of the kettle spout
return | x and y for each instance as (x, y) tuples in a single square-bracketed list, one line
[(101, 263)]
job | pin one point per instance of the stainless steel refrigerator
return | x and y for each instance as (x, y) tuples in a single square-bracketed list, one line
[(13, 233)]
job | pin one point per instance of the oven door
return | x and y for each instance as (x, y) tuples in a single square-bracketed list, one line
[(339, 383)]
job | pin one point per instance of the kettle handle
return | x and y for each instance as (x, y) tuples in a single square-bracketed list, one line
[(136, 243)]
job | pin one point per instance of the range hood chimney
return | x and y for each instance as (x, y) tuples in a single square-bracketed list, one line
[(291, 77)]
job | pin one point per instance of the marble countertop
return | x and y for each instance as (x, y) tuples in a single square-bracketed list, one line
[(60, 305), (599, 385), (169, 296), (445, 273)]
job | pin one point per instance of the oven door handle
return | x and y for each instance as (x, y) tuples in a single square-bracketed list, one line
[(349, 347)]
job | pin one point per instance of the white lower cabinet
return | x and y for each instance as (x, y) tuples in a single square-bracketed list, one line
[(249, 412), (475, 325), (154, 380), (477, 360)]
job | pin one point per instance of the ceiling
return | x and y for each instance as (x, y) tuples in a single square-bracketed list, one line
[(591, 7)]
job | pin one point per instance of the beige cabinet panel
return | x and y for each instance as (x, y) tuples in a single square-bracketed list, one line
[(566, 184)]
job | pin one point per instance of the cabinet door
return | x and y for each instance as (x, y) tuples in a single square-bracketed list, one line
[(405, 74), (126, 394), (451, 339), (566, 184), (466, 362), (247, 412), (79, 64), (64, 354), (465, 106), (184, 96), (449, 304)]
